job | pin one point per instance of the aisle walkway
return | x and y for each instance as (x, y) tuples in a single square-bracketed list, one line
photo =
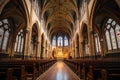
[(59, 71)]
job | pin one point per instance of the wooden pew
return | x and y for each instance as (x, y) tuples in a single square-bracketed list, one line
[(23, 69), (103, 69), (28, 67), (95, 69), (13, 73)]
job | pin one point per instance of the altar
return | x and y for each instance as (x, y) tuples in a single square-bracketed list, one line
[(60, 53)]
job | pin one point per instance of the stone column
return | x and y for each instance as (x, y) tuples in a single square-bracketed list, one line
[(12, 47), (10, 44), (27, 43), (38, 49), (63, 41), (90, 33), (68, 41), (82, 50), (91, 42), (56, 41), (12, 41)]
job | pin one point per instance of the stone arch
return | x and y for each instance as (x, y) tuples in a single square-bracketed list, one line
[(100, 14), (34, 41), (84, 23), (92, 10), (17, 17), (37, 27), (106, 13), (46, 45), (84, 33)]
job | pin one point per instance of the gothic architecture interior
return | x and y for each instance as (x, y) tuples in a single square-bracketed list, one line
[(59, 39)]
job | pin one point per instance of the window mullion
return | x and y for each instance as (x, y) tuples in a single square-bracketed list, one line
[(110, 39), (3, 39), (116, 38), (95, 44), (98, 43), (20, 43), (17, 43), (106, 40)]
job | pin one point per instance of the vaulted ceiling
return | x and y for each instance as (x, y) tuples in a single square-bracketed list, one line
[(60, 16)]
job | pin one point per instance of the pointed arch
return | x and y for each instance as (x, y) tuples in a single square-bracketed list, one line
[(34, 41)]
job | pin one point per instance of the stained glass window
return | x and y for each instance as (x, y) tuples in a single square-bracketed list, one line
[(60, 41), (97, 43), (19, 42), (112, 31), (1, 35), (108, 40), (65, 41), (54, 41), (4, 34), (117, 30), (113, 40)]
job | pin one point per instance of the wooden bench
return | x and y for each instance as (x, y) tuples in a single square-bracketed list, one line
[(9, 73), (102, 69), (95, 69), (23, 69)]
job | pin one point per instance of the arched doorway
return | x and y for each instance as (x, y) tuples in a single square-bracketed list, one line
[(13, 22), (85, 41), (34, 41)]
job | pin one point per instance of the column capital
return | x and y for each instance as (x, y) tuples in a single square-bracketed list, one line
[(27, 30)]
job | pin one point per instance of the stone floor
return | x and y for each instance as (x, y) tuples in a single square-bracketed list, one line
[(59, 71)]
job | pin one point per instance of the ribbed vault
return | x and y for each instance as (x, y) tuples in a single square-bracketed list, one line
[(60, 16)]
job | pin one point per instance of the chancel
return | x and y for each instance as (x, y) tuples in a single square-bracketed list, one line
[(59, 39)]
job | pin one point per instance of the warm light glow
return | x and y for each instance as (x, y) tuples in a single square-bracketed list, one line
[(60, 75), (60, 53), (59, 65)]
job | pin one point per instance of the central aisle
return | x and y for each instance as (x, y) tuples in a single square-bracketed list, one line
[(59, 71)]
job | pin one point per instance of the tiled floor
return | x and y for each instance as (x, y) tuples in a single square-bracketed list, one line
[(59, 71)]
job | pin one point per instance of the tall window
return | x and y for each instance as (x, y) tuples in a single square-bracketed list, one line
[(54, 41), (112, 31), (60, 41), (19, 42), (97, 43), (65, 41), (117, 29), (4, 34)]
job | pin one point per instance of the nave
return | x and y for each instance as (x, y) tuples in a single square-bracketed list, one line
[(59, 71), (85, 34)]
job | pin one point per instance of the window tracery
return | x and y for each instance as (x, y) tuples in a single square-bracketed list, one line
[(112, 30), (4, 34)]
